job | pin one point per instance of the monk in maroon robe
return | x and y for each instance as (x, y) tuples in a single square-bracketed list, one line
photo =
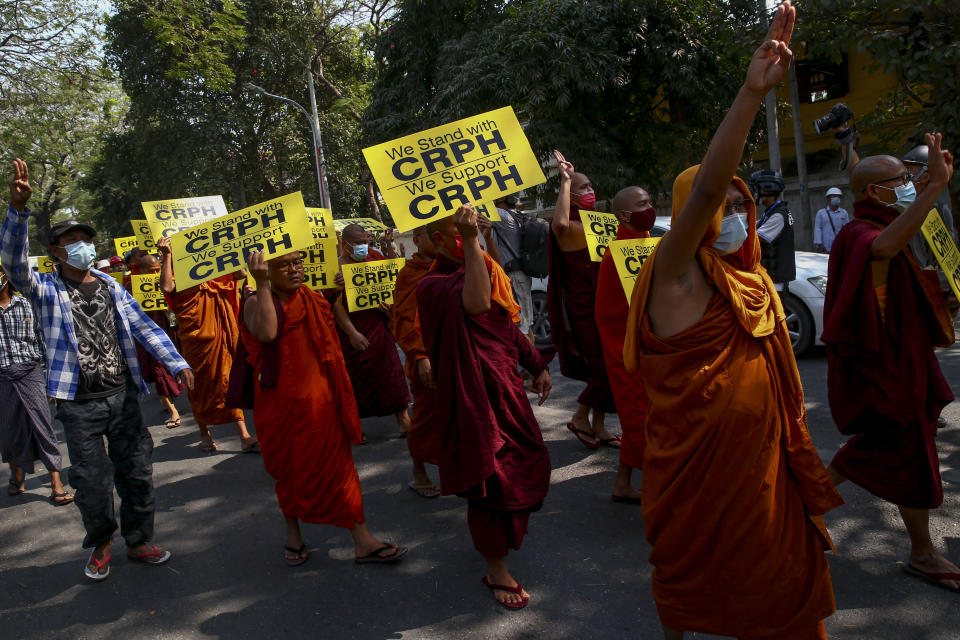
[(492, 450), (571, 298), (368, 344), (883, 316), (151, 368)]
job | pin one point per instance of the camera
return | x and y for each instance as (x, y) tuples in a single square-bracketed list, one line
[(838, 115)]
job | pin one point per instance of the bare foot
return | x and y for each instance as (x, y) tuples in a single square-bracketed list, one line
[(207, 445), (249, 444), (625, 492), (935, 563), (102, 554), (426, 489)]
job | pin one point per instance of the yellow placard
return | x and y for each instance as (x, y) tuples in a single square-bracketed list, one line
[(629, 256), (146, 291), (320, 265), (488, 210), (220, 246), (367, 223), (45, 264), (426, 176), (368, 284), (144, 236), (118, 276), (601, 229), (943, 248), (122, 245), (167, 217), (324, 226)]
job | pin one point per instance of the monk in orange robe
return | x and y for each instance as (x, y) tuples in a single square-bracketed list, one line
[(636, 214), (492, 452), (422, 437), (304, 408), (571, 298), (883, 316), (368, 345), (733, 488), (208, 330)]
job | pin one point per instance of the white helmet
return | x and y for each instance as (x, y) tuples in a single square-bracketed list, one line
[(834, 191)]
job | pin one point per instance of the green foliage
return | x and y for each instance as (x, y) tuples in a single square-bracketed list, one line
[(618, 86)]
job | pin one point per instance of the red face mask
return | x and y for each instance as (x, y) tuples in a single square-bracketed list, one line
[(586, 200), (458, 250), (643, 220)]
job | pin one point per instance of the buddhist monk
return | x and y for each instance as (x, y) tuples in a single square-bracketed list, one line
[(733, 488), (368, 344), (883, 316), (151, 368), (571, 299), (636, 214), (422, 439), (304, 408), (492, 452), (208, 331)]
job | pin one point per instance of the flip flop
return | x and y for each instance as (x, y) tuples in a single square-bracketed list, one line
[(172, 424), (208, 447), (502, 587), (300, 559), (431, 490), (933, 577), (14, 488), (625, 499), (96, 576), (609, 442), (580, 433), (377, 557), (153, 555), (60, 499)]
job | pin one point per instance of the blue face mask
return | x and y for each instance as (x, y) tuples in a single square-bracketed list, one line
[(906, 194), (733, 232), (360, 252), (80, 254)]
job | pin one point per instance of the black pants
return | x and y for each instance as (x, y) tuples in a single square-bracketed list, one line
[(125, 462)]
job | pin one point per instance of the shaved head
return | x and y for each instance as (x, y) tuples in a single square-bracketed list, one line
[(354, 233), (443, 225), (628, 198), (149, 264), (873, 170), (580, 183)]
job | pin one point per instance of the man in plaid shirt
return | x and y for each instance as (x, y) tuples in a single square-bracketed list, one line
[(89, 323)]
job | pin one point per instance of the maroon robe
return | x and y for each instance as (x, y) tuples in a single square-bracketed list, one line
[(571, 299), (885, 385), (492, 449), (376, 372)]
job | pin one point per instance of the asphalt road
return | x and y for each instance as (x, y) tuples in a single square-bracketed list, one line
[(584, 561)]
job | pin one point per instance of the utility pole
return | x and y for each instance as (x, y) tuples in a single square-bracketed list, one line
[(318, 141), (806, 220)]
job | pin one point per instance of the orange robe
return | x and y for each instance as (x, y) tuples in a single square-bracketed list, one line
[(307, 421), (422, 439), (628, 393), (207, 319), (733, 488)]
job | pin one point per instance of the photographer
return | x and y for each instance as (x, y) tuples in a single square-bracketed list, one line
[(774, 227)]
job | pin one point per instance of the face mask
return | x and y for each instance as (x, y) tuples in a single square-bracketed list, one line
[(80, 254), (733, 232), (906, 194), (643, 220), (360, 252), (835, 201), (457, 251), (586, 200)]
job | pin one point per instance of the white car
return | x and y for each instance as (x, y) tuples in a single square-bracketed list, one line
[(802, 300)]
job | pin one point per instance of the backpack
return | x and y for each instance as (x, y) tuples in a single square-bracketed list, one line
[(534, 256)]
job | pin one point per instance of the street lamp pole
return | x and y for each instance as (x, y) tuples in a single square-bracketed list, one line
[(314, 129)]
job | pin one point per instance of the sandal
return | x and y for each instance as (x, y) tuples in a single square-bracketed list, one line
[(97, 576), (302, 556), (15, 488), (583, 435), (502, 587), (610, 442), (60, 499), (208, 446), (425, 490), (171, 423), (253, 447), (153, 555), (377, 556)]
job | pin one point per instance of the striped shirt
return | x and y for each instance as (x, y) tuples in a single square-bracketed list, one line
[(51, 300), (19, 338)]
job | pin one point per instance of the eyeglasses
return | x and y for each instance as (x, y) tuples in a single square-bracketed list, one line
[(905, 178), (296, 265), (732, 208)]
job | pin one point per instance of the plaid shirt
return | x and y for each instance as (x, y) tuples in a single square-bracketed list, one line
[(19, 338), (52, 302)]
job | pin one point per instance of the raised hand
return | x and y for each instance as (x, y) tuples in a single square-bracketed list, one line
[(565, 168), (163, 246), (466, 220), (940, 161), (257, 266), (771, 61), (20, 188)]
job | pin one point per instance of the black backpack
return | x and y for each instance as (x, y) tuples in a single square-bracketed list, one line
[(534, 256)]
